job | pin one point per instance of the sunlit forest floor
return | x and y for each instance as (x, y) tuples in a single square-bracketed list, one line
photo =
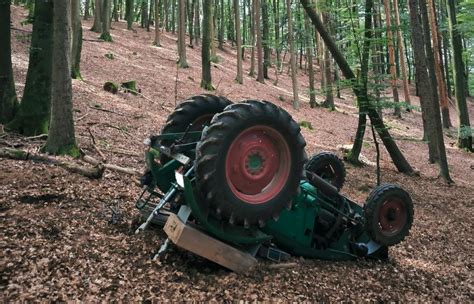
[(58, 239)]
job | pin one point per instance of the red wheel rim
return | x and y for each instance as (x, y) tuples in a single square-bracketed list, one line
[(257, 164), (392, 216)]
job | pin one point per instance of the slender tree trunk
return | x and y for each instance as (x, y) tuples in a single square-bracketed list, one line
[(276, 15), (391, 53), (214, 57), (433, 117), (86, 9), (97, 26), (294, 80), (197, 27), (258, 30), (252, 38), (106, 21), (76, 44), (8, 99), (157, 41), (190, 14), (266, 38), (464, 130), (309, 52), (327, 83), (129, 13), (401, 53), (182, 35), (443, 95), (61, 139), (220, 34), (239, 77), (33, 114), (392, 148), (115, 13), (206, 81)]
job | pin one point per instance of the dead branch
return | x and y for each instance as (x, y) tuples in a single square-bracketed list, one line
[(107, 111), (282, 265), (94, 144), (93, 173), (41, 136), (82, 117), (95, 162)]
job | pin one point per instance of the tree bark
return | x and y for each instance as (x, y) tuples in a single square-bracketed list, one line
[(433, 116), (129, 13), (239, 77), (97, 26), (392, 148), (391, 52), (258, 30), (157, 41), (294, 80), (32, 117), (183, 63), (401, 54), (443, 95), (76, 45), (309, 52), (61, 139), (197, 27), (106, 21), (252, 38), (266, 38), (206, 80), (327, 83), (8, 99), (464, 130)]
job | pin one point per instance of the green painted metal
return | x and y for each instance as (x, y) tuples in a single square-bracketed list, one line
[(223, 231)]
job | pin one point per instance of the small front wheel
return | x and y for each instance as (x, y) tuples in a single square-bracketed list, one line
[(388, 214), (329, 167)]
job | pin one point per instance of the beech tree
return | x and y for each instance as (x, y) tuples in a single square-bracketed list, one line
[(8, 99), (206, 79), (61, 139), (76, 44)]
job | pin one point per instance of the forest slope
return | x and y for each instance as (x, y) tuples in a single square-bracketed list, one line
[(59, 240)]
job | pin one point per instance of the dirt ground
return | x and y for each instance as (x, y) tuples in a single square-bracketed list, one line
[(64, 236)]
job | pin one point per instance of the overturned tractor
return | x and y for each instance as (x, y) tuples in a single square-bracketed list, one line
[(239, 174)]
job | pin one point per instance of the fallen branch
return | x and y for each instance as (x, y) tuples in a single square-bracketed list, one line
[(107, 111), (93, 173), (95, 162), (94, 144), (41, 136), (282, 265)]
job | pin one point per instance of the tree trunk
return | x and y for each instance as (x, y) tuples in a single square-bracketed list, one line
[(129, 13), (76, 45), (157, 41), (327, 84), (392, 148), (86, 9), (61, 139), (294, 80), (391, 52), (190, 18), (220, 34), (239, 77), (266, 38), (197, 27), (182, 35), (464, 130), (430, 105), (443, 95), (33, 114), (206, 81), (214, 57), (106, 21), (115, 13), (276, 15), (252, 38), (258, 30), (401, 54), (309, 52), (97, 26), (8, 99)]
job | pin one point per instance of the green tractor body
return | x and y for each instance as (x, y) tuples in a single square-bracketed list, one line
[(315, 221)]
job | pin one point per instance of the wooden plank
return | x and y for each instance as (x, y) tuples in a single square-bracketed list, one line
[(198, 242)]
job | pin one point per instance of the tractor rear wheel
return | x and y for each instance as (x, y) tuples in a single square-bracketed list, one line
[(388, 214), (249, 162), (329, 167), (197, 110)]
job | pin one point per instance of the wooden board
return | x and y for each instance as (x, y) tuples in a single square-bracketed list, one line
[(198, 242)]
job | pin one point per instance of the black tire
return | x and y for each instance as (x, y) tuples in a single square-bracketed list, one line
[(388, 214), (200, 108), (328, 166), (218, 146)]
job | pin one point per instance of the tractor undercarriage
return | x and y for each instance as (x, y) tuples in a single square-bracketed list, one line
[(239, 173)]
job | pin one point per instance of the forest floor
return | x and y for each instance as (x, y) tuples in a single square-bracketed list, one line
[(59, 240)]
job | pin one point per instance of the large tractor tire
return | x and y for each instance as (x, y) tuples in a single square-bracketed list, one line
[(388, 214), (249, 163), (198, 111), (329, 167)]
